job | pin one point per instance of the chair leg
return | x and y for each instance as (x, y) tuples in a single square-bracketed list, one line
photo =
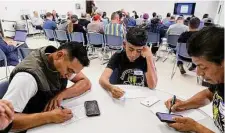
[(174, 69), (166, 57)]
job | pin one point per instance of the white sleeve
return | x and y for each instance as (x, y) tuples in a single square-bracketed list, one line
[(21, 89)]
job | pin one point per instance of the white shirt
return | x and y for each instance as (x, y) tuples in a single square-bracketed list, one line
[(21, 89)]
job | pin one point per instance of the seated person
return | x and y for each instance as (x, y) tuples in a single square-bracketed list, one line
[(96, 25), (178, 28), (49, 24), (114, 27), (135, 64), (83, 20), (37, 21), (74, 26), (193, 28), (39, 84), (156, 27), (6, 117), (10, 51), (170, 22), (206, 49)]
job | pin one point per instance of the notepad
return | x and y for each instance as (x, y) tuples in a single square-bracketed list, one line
[(78, 114), (193, 113)]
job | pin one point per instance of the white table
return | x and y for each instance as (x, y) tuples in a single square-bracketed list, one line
[(127, 116)]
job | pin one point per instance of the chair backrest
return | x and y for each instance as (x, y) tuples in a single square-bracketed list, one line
[(114, 41), (172, 40), (3, 58), (24, 52), (95, 38), (61, 35), (20, 36), (77, 37), (153, 37), (4, 84), (182, 50), (49, 33)]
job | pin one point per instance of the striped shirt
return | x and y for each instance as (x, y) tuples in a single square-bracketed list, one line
[(114, 29)]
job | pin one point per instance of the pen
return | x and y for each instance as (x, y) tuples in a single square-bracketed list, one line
[(172, 103)]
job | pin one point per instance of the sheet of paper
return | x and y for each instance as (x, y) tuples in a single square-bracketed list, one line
[(78, 113), (149, 101), (194, 114), (132, 94)]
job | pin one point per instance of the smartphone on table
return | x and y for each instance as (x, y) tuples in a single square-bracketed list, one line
[(168, 118), (91, 108)]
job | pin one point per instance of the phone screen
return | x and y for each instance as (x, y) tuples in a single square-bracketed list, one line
[(92, 108), (164, 117)]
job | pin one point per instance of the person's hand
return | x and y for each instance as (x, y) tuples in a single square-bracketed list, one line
[(60, 115), (146, 52), (6, 114), (184, 124), (54, 103), (177, 107), (12, 43), (117, 92)]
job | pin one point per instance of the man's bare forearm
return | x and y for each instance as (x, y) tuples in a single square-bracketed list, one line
[(199, 100), (26, 121), (105, 84), (151, 75), (77, 89), (202, 129)]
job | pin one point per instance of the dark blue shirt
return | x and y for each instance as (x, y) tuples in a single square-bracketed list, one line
[(48, 24), (10, 52)]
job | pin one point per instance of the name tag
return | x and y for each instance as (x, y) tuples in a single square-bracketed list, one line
[(138, 72)]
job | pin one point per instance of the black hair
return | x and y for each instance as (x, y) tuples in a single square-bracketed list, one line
[(135, 13), (172, 17), (208, 43), (76, 50), (188, 18), (154, 14), (103, 14), (137, 36), (194, 23), (205, 16), (120, 14), (168, 14)]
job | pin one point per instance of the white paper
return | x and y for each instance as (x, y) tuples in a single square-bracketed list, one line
[(184, 9), (194, 114), (132, 94), (149, 101), (78, 113)]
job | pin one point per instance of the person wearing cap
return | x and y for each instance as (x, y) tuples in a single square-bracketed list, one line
[(171, 21), (96, 25), (83, 21), (74, 26), (178, 28), (134, 65), (208, 22)]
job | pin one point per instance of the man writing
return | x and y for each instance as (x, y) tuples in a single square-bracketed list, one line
[(38, 85)]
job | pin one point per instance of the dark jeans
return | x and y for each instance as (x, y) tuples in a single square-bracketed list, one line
[(185, 59)]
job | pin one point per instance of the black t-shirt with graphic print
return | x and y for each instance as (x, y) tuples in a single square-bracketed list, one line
[(218, 105), (129, 73)]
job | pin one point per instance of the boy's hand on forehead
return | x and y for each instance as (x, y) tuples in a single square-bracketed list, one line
[(146, 52)]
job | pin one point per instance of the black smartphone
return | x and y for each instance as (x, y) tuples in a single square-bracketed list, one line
[(92, 108), (165, 117)]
